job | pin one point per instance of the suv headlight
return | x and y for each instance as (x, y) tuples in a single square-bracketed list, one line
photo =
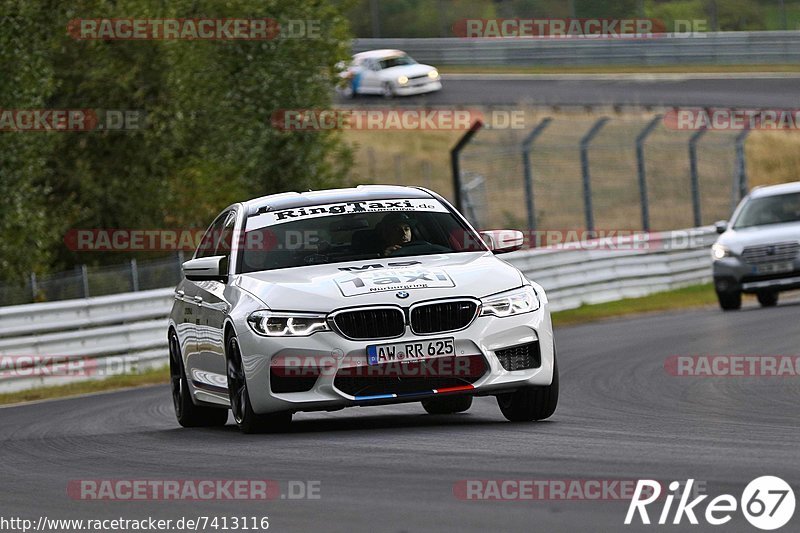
[(433, 74), (719, 251), (271, 324), (509, 303), (402, 80)]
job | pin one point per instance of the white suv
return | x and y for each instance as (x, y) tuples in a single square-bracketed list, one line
[(757, 252)]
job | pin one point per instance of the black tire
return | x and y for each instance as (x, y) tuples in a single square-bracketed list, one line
[(247, 420), (387, 91), (767, 298), (531, 403), (730, 301), (447, 406), (188, 414)]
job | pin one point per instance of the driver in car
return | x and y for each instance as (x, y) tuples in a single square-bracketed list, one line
[(395, 230)]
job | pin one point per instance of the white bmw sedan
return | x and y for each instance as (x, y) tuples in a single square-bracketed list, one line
[(374, 295), (389, 73)]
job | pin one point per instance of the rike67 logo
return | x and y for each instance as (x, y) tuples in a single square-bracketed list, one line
[(767, 503)]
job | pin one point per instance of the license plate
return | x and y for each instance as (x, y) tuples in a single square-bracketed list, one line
[(409, 351), (773, 268)]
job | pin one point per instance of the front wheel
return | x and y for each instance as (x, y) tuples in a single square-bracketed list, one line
[(531, 403), (768, 298), (247, 420), (386, 90), (187, 413), (729, 301), (447, 406)]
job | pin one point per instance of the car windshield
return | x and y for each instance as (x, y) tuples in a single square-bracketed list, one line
[(396, 61), (775, 209), (352, 231)]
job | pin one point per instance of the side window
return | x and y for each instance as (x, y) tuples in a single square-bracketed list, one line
[(208, 243)]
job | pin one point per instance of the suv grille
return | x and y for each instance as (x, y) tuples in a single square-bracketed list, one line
[(783, 251), (443, 316), (520, 357), (379, 323)]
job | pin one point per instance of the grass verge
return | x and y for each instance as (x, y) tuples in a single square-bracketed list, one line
[(148, 377), (686, 298), (614, 69)]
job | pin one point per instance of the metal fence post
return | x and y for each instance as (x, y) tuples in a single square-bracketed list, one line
[(695, 181), (587, 182), (85, 280), (34, 287), (527, 144), (640, 168), (134, 275), (455, 165), (181, 260), (740, 185)]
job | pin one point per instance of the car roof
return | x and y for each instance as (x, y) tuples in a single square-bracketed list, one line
[(361, 193), (384, 52), (772, 190)]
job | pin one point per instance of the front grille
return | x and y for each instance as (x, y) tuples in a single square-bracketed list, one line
[(520, 357), (363, 324), (420, 77), (443, 316), (768, 253), (412, 377)]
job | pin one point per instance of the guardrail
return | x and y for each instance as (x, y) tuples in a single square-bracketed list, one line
[(716, 48), (117, 332)]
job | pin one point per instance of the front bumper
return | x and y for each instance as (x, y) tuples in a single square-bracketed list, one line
[(483, 337), (408, 90), (733, 274)]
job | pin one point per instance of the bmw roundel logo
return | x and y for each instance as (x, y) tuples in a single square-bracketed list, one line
[(402, 294)]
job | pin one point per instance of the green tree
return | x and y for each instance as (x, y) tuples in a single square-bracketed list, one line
[(207, 138)]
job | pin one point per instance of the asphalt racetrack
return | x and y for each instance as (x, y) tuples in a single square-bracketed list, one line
[(746, 90), (621, 417)]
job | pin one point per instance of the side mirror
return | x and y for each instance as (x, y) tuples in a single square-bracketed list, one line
[(213, 268), (721, 226), (501, 241)]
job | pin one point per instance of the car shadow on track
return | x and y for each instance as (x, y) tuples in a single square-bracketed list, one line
[(756, 307), (379, 424)]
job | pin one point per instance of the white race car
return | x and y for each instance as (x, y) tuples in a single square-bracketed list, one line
[(353, 297), (389, 73)]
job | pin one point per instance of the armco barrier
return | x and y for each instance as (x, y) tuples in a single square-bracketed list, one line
[(713, 48), (133, 325)]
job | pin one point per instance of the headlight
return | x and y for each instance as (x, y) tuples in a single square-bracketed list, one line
[(509, 303), (402, 80), (272, 324), (719, 251), (434, 74)]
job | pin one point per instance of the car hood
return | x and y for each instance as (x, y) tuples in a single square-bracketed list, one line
[(324, 288), (417, 69), (738, 239)]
